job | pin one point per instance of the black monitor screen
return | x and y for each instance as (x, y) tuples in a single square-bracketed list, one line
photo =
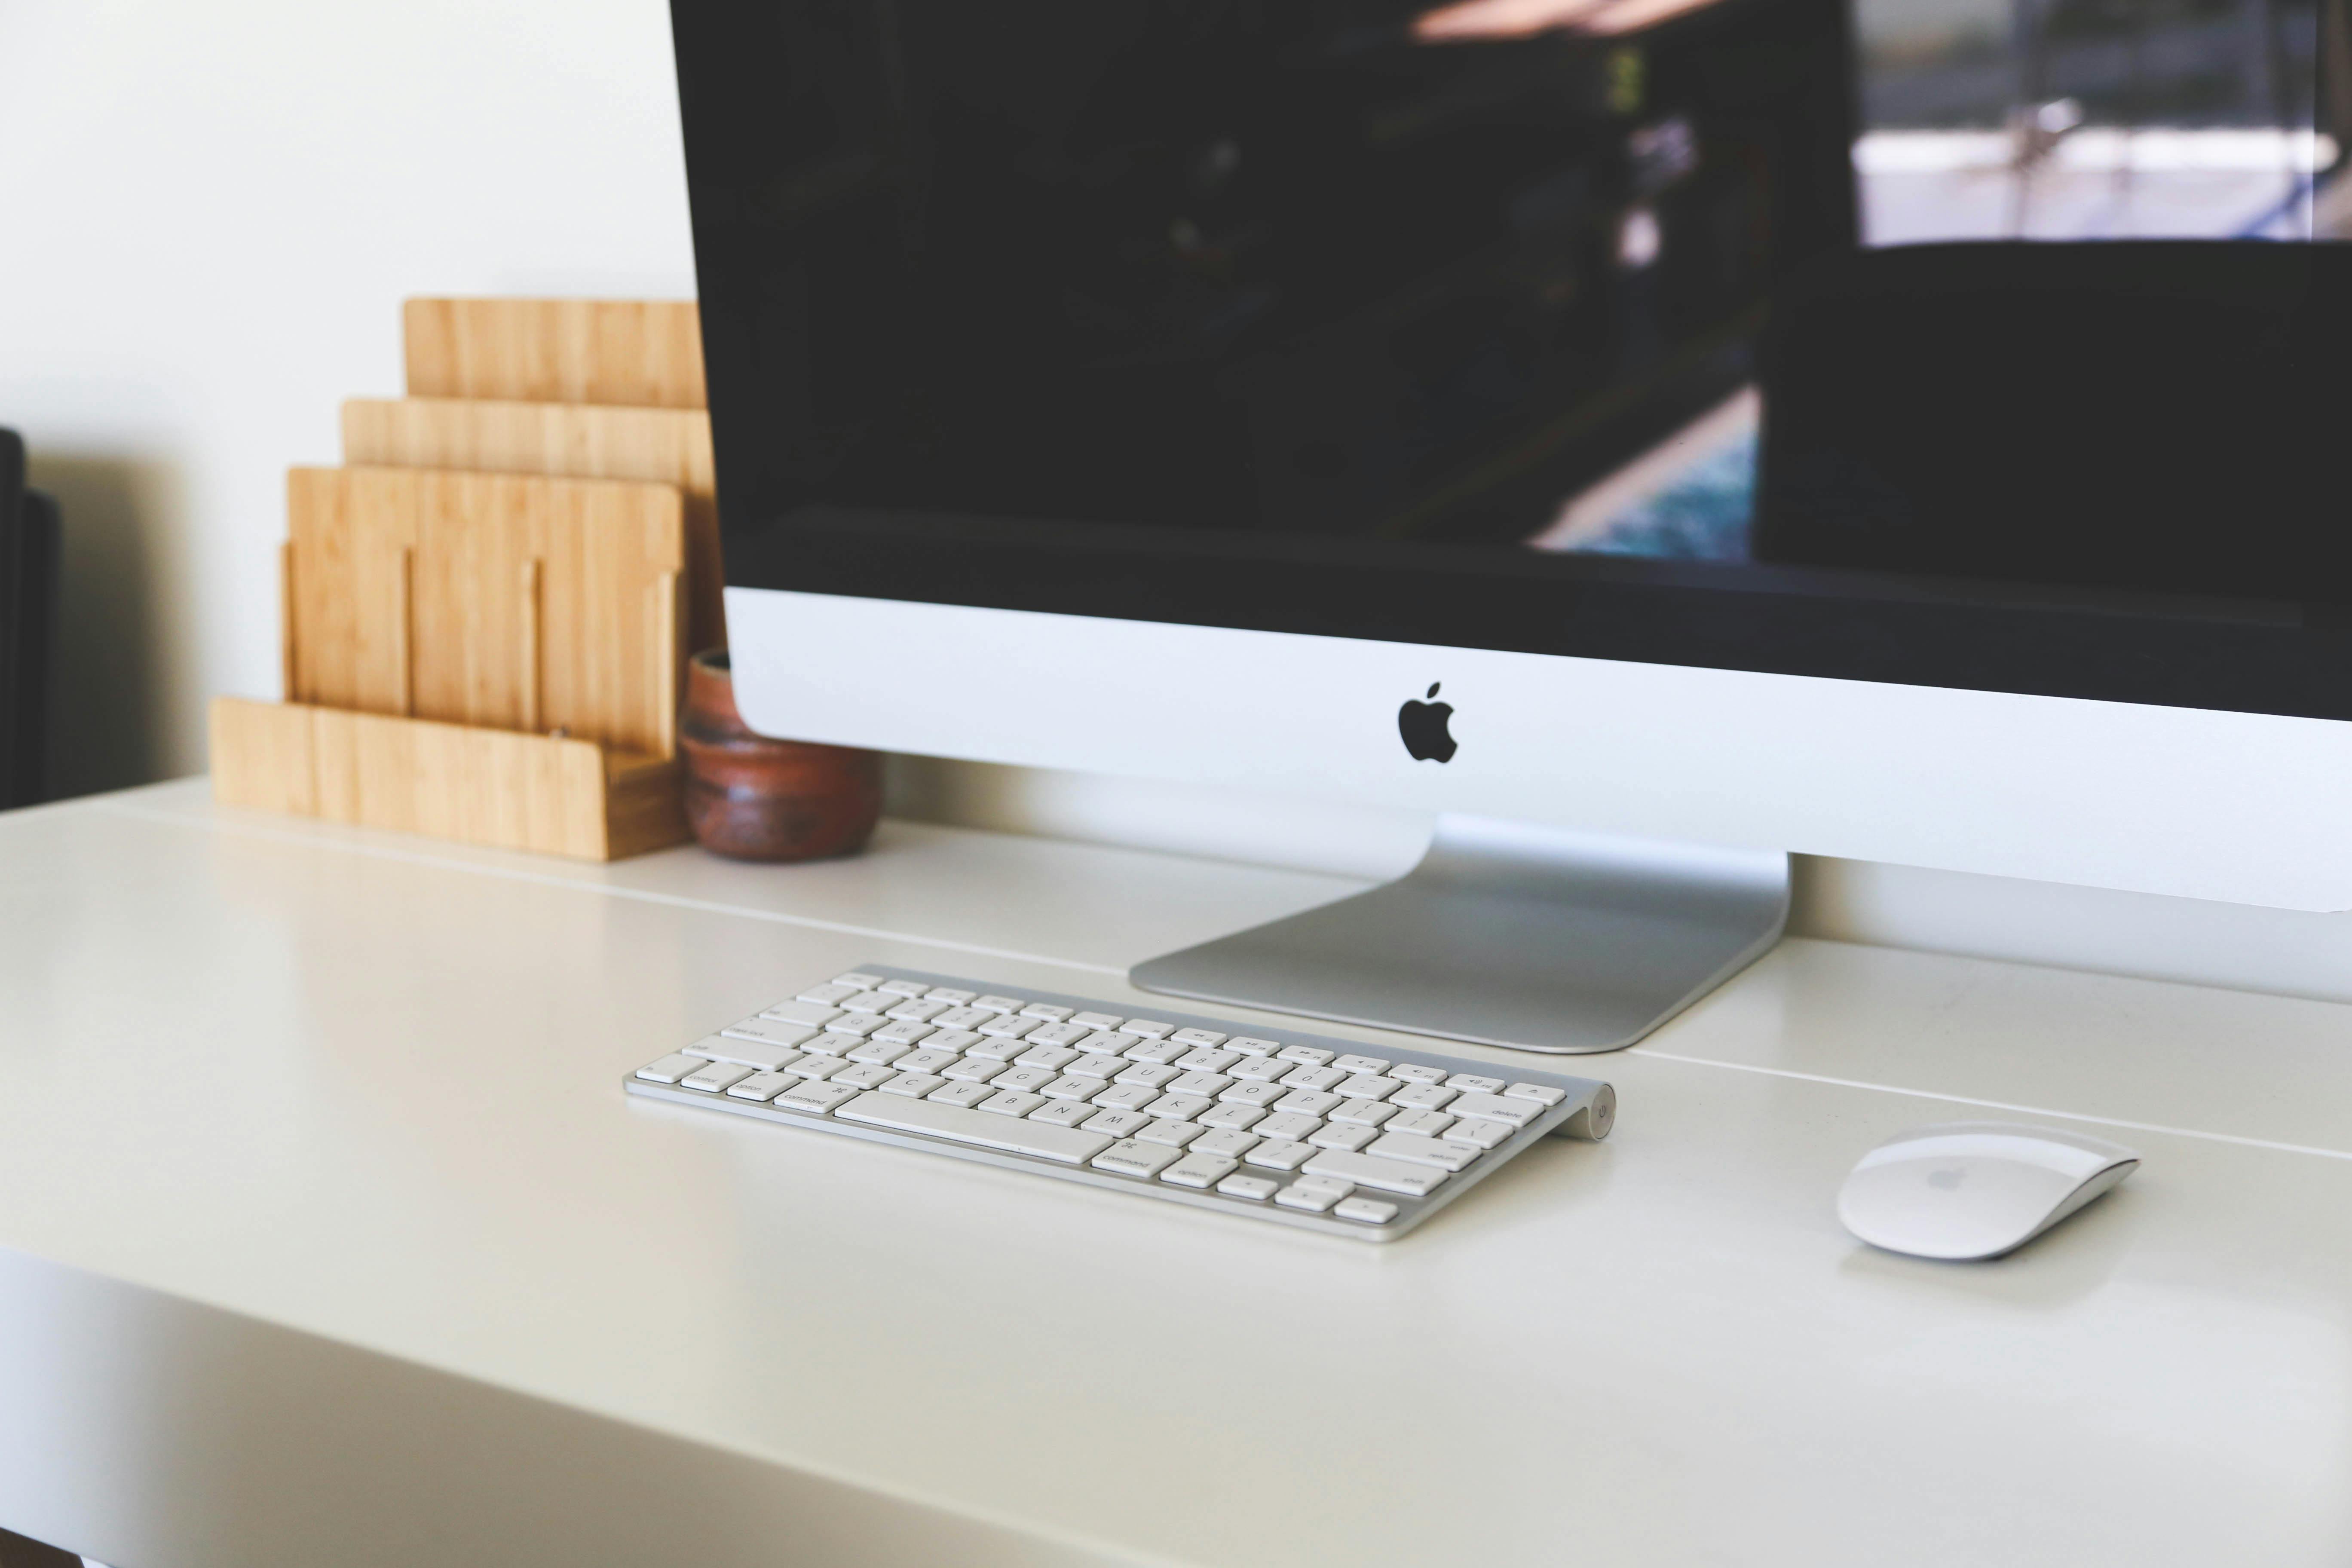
[(1749, 333)]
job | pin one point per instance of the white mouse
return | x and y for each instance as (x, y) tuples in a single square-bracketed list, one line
[(1975, 1189)]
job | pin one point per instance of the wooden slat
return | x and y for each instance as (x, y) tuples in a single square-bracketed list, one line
[(634, 352), (538, 793), (664, 446), (410, 598)]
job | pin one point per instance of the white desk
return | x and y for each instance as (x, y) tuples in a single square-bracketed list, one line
[(328, 1237)]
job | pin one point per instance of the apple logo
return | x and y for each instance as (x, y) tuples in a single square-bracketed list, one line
[(1422, 725)]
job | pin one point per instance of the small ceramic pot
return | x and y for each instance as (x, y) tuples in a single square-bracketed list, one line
[(753, 798)]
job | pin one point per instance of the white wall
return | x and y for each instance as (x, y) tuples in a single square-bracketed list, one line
[(211, 213)]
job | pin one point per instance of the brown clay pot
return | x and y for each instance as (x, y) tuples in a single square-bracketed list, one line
[(754, 798)]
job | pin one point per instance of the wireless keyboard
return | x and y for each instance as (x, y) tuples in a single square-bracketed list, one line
[(1298, 1129)]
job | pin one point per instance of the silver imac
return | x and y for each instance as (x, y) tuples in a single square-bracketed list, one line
[(1500, 409)]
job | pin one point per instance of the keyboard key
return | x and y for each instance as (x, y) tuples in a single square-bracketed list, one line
[(1208, 1084), (672, 1067), (762, 1086), (1150, 1028), (951, 1040), (877, 1050), (1024, 1078), (1313, 1078), (1314, 1194), (856, 1025), (1129, 1157), (929, 1059), (1198, 1170), (859, 978), (1472, 1083), (1287, 1125), (1368, 1171), (828, 995), (870, 1002), (1091, 1020), (1155, 1052), (712, 1077), (1127, 1097), (974, 1069), (1207, 1059), (1421, 1097), (1486, 1134), (1011, 1026), (769, 1032), (1494, 1108), (829, 1043), (1052, 1057), (1362, 1066), (1197, 1037), (1261, 1094), (753, 1054), (1064, 1145), (816, 1069), (1235, 1116), (1308, 1102), (1262, 1069), (1446, 1153), (1057, 1035), (1278, 1155), (1094, 1065), (1121, 1123), (1305, 1055), (904, 987), (1104, 1043), (994, 1004), (1080, 1089), (990, 1048), (1226, 1142), (1413, 1072), (1362, 1113), (1250, 1046), (1419, 1123), (1366, 1085), (1180, 1107), (1366, 1211), (949, 995), (914, 1085), (1256, 1188), (963, 1018), (864, 1075), (1011, 1102), (808, 1013), (959, 1096), (1063, 1113), (1151, 1075), (1541, 1093), (1047, 1012), (1175, 1134), (1342, 1135), (917, 1012), (815, 1098)]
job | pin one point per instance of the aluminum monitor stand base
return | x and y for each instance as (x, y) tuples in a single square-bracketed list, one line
[(1507, 934)]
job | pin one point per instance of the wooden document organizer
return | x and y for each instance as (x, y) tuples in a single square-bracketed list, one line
[(494, 656)]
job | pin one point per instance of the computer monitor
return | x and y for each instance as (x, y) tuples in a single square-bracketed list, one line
[(1360, 399)]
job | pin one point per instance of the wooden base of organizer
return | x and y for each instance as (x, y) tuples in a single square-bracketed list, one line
[(542, 793)]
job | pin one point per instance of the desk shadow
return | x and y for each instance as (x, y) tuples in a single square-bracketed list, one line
[(107, 672), (2056, 1268)]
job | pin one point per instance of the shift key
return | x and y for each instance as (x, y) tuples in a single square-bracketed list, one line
[(1369, 1171)]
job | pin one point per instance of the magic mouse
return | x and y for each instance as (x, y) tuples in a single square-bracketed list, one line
[(1975, 1189)]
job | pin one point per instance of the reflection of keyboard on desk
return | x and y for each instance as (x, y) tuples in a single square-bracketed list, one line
[(1309, 1130)]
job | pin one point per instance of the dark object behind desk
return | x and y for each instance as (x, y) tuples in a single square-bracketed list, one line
[(2170, 416), (28, 577)]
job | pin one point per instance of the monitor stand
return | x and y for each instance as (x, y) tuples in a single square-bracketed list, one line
[(1507, 934)]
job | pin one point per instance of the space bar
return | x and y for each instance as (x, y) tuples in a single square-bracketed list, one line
[(984, 1128)]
